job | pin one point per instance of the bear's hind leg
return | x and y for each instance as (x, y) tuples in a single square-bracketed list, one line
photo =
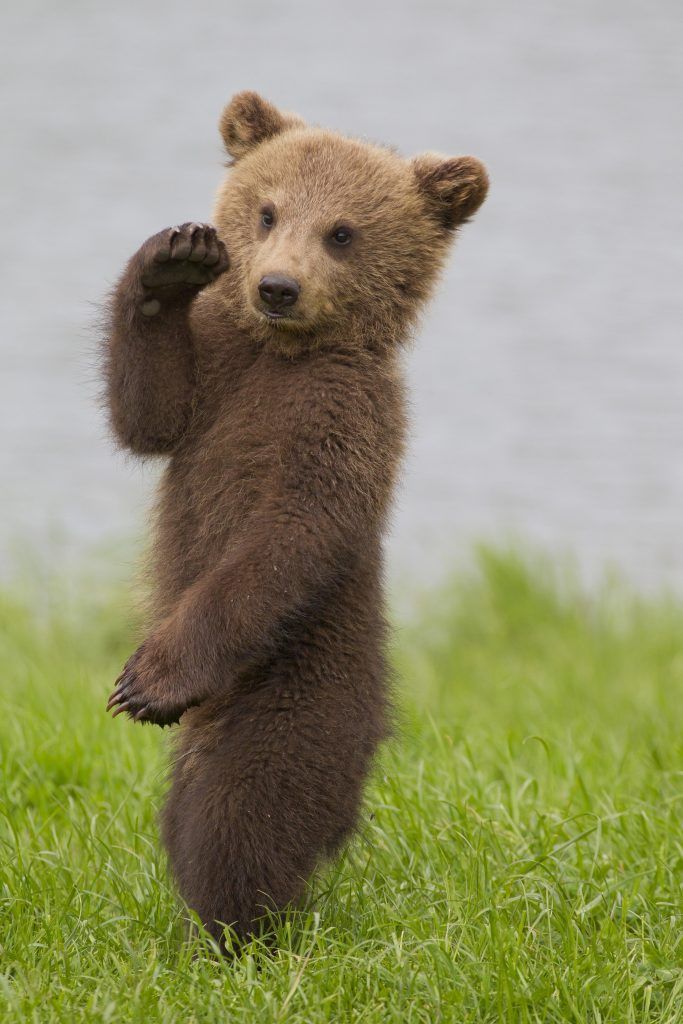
[(268, 781), (246, 821)]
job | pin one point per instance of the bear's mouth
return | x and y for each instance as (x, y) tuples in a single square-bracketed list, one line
[(278, 318)]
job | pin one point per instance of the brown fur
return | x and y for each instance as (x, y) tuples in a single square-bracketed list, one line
[(284, 441)]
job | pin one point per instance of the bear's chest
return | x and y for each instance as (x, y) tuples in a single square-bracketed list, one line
[(231, 457)]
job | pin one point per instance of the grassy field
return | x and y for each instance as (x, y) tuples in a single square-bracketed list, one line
[(520, 859)]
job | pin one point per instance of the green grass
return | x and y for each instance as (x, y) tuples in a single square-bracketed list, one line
[(521, 856)]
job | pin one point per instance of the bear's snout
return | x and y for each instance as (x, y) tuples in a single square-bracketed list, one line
[(278, 292)]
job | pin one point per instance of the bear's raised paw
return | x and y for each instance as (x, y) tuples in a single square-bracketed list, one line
[(178, 262)]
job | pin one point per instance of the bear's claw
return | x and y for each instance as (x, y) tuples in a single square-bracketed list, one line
[(182, 259), (144, 694)]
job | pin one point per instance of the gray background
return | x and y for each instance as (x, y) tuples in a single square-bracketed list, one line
[(548, 376)]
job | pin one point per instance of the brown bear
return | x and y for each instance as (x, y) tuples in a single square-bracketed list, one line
[(262, 358)]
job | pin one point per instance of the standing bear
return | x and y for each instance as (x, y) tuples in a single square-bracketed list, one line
[(262, 358)]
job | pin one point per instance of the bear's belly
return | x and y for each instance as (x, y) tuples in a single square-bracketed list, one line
[(207, 495)]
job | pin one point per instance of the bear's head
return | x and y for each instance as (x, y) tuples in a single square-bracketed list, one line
[(330, 236)]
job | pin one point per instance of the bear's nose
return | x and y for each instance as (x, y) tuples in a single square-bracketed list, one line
[(278, 291)]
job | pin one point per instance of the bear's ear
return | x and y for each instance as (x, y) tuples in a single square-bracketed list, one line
[(249, 120), (454, 187)]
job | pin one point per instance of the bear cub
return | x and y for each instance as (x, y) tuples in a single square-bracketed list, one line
[(261, 357)]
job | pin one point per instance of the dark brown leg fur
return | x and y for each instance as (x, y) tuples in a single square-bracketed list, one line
[(268, 782)]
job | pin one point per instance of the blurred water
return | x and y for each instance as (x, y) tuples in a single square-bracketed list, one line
[(548, 377)]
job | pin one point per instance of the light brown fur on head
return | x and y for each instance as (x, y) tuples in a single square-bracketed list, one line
[(401, 215)]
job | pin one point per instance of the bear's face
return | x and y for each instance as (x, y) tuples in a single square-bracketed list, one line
[(329, 235)]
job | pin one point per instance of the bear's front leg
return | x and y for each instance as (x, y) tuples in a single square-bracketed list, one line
[(150, 359)]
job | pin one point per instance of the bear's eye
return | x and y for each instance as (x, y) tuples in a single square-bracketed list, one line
[(267, 217), (341, 236)]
